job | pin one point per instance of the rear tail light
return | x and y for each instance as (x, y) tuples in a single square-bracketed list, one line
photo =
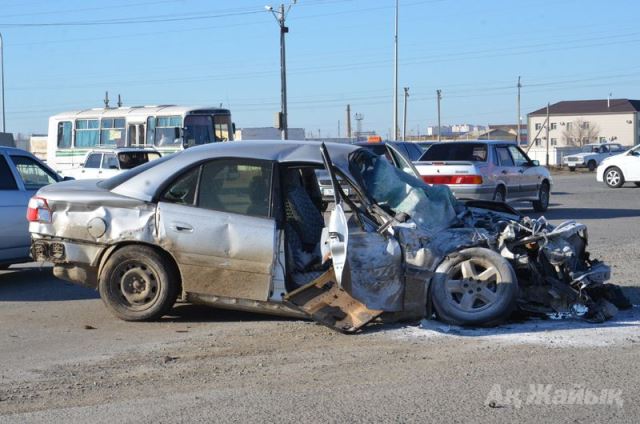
[(38, 210), (452, 179)]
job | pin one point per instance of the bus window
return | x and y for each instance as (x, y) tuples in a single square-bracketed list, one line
[(112, 132), (167, 131), (199, 130), (222, 127), (87, 132), (64, 135)]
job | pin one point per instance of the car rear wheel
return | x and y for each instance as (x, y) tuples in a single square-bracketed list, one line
[(613, 177), (542, 204), (500, 194), (637, 184), (592, 165), (475, 287), (137, 284)]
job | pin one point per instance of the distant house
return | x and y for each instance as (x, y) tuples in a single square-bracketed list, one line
[(575, 123)]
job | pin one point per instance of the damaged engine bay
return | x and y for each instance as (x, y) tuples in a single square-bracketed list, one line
[(485, 259)]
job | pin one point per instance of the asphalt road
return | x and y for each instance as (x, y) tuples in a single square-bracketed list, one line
[(64, 358)]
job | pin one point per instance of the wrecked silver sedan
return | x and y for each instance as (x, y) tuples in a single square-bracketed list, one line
[(241, 226)]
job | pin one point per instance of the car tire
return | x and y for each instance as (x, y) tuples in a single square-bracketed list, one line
[(637, 184), (474, 287), (138, 284), (544, 193), (500, 194), (572, 169), (613, 177), (592, 165)]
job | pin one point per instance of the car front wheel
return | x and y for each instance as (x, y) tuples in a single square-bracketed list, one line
[(137, 284), (613, 177), (592, 165), (475, 287)]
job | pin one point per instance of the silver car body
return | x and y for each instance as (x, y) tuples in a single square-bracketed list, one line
[(398, 236), (501, 165), (21, 174)]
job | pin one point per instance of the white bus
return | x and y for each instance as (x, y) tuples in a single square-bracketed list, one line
[(167, 128)]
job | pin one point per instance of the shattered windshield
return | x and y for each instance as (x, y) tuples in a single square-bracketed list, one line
[(431, 207)]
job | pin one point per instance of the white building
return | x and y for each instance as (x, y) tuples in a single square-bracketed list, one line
[(267, 133), (578, 122)]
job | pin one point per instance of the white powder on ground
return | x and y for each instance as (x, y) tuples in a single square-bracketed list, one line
[(623, 329)]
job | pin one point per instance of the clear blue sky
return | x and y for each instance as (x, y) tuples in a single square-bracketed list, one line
[(338, 51)]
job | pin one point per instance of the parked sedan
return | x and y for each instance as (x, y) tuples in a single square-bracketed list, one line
[(236, 225), (617, 170), (21, 175), (591, 155), (487, 170)]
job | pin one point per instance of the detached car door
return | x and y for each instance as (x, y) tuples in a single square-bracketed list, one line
[(216, 219), (324, 299)]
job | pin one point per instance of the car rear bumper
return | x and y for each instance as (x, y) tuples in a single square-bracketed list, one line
[(474, 192), (73, 261)]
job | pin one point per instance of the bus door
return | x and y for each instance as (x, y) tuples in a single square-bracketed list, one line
[(136, 134)]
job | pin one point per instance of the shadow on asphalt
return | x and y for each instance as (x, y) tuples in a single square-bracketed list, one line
[(39, 285), (187, 312)]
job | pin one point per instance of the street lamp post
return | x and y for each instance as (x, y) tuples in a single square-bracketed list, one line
[(2, 71), (281, 16)]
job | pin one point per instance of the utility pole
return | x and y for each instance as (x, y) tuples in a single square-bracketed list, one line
[(349, 122), (395, 79), (519, 117), (547, 127), (2, 71), (439, 96), (404, 123), (281, 16), (359, 117), (338, 128)]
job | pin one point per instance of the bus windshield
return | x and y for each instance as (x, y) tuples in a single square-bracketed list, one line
[(198, 130)]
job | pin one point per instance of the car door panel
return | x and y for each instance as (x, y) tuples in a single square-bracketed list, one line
[(507, 172), (629, 164), (219, 253), (530, 178)]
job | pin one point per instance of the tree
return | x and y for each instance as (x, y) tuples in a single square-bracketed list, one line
[(580, 132)]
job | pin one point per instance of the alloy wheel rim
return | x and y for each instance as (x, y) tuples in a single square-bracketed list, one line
[(472, 285), (613, 178)]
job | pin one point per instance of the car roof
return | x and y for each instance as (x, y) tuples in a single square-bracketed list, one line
[(478, 141), (144, 185), (8, 149)]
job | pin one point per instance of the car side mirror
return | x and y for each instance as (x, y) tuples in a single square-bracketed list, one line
[(535, 163)]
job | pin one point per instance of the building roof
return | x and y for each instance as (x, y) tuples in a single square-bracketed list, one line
[(579, 107)]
